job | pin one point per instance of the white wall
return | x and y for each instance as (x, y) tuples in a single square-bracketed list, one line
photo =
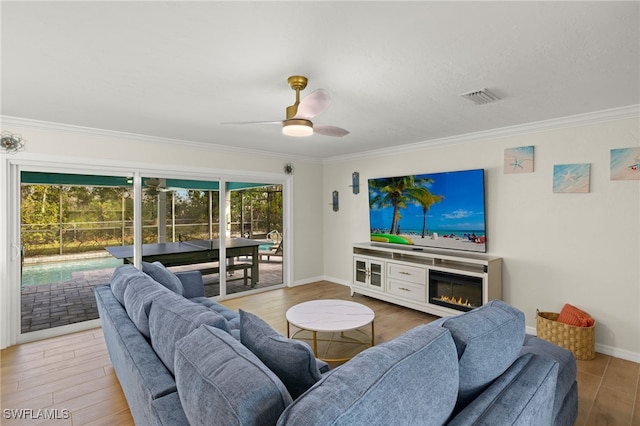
[(582, 249)]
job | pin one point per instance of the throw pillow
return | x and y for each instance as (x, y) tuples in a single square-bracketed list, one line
[(574, 316), (410, 380), (137, 301), (159, 273), (488, 339), (219, 381), (292, 360), (122, 276), (171, 319)]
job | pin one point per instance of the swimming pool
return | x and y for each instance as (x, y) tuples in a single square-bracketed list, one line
[(53, 272)]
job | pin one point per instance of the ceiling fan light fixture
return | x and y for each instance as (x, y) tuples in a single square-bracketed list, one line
[(297, 127)]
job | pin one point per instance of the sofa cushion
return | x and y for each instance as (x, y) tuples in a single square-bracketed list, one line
[(192, 283), (168, 409), (159, 273), (488, 339), (221, 382), (171, 319), (232, 317), (227, 313), (138, 296), (141, 374), (522, 395), (565, 398), (122, 276), (410, 380), (291, 360)]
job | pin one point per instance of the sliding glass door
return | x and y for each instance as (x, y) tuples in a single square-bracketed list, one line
[(66, 221), (256, 214), (186, 214), (69, 224), (181, 219)]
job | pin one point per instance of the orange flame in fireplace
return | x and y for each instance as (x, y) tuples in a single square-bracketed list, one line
[(456, 301)]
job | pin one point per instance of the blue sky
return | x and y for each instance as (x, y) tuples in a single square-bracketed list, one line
[(461, 209)]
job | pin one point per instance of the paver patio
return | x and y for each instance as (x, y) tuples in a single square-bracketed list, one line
[(68, 302)]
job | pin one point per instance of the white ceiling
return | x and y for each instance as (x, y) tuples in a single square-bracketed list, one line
[(395, 70)]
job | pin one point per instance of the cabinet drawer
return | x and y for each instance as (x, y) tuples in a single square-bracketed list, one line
[(407, 273), (407, 290)]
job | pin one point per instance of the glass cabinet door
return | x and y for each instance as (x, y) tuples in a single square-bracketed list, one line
[(368, 272), (376, 274), (360, 271)]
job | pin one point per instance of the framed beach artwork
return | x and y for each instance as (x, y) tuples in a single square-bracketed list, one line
[(625, 164), (518, 160), (571, 178)]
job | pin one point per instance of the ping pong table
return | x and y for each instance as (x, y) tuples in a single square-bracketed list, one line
[(194, 252)]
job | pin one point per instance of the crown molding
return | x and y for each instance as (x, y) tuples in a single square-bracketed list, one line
[(26, 123), (631, 111)]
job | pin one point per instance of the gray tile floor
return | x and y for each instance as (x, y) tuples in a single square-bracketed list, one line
[(53, 305)]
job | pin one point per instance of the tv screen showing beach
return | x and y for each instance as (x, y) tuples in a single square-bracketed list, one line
[(440, 210)]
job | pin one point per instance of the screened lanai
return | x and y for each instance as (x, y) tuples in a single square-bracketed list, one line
[(67, 221)]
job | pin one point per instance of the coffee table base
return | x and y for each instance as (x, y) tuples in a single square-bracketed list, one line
[(367, 341), (331, 316)]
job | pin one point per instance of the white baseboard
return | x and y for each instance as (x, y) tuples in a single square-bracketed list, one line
[(605, 349), (58, 331), (618, 353), (338, 281), (530, 330), (307, 281), (322, 278)]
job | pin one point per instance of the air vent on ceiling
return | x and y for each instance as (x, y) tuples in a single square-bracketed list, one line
[(480, 97)]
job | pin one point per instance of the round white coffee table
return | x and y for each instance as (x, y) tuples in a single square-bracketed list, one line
[(330, 316)]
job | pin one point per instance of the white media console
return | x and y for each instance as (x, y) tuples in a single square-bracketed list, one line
[(438, 282)]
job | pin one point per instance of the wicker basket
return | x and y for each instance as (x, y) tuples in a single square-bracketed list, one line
[(579, 340)]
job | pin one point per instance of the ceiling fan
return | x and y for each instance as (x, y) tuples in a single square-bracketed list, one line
[(298, 116), (154, 186)]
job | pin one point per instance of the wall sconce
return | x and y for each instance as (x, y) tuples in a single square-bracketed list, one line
[(335, 201), (355, 182), (11, 142)]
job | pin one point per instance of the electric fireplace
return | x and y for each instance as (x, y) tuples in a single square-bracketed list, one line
[(455, 291)]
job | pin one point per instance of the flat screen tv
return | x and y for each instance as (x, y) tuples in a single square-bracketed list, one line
[(437, 210)]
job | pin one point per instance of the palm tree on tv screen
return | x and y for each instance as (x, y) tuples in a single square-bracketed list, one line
[(396, 192), (425, 199)]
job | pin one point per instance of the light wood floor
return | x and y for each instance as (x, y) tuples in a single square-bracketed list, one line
[(74, 373)]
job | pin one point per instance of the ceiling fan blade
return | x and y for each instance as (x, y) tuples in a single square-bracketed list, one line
[(252, 122), (152, 182), (329, 130), (313, 104)]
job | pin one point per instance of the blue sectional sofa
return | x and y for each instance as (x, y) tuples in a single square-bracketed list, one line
[(183, 359)]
